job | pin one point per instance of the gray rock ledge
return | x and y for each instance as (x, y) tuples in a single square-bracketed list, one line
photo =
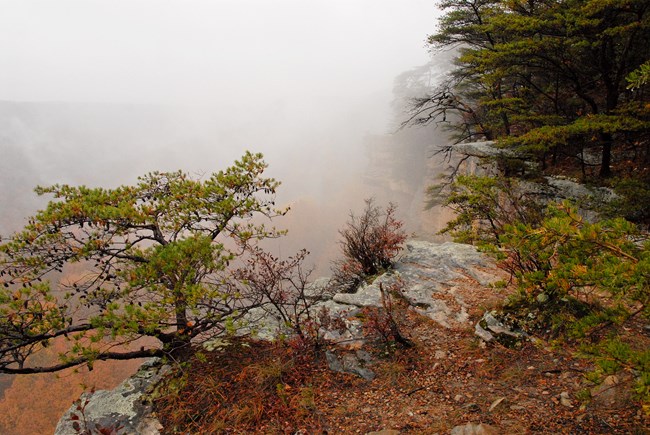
[(124, 405)]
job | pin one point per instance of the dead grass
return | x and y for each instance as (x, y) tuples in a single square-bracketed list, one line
[(248, 387)]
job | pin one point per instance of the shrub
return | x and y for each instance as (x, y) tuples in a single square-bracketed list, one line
[(598, 263), (582, 279), (370, 242), (632, 200), (251, 387), (281, 289), (385, 322)]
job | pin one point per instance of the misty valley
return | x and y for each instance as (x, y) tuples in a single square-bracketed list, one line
[(324, 217)]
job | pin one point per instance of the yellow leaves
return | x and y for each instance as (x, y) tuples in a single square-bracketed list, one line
[(579, 269)]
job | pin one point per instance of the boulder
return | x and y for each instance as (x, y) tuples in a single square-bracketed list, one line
[(441, 263), (125, 405), (349, 363), (482, 149), (489, 328), (365, 296), (319, 290), (428, 271), (614, 392)]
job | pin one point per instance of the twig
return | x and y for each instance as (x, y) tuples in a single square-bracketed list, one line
[(417, 389), (604, 421)]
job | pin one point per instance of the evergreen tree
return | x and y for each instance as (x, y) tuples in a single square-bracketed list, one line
[(546, 77), (102, 268)]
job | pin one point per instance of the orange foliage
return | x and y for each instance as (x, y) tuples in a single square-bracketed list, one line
[(252, 387), (33, 404)]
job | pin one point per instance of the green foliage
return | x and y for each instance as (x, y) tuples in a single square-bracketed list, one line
[(569, 271), (483, 206), (576, 279), (559, 83), (145, 260), (639, 76), (613, 355), (566, 256), (547, 138), (580, 277), (548, 76), (632, 201)]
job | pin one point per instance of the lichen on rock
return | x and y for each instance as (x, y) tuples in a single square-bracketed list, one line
[(125, 406)]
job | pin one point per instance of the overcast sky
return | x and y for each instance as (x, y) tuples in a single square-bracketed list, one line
[(207, 50), (303, 81)]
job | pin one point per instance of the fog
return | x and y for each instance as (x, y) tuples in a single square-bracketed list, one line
[(98, 92), (247, 53)]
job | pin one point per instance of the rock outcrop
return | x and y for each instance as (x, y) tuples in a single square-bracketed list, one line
[(426, 273), (124, 406), (549, 188)]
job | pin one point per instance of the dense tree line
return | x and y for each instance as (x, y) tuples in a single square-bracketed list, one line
[(548, 78)]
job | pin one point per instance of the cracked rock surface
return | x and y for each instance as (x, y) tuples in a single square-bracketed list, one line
[(428, 272), (123, 405)]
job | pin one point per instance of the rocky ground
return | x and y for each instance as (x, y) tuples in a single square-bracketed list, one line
[(449, 381)]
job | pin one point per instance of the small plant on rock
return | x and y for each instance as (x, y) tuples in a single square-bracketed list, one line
[(385, 322), (370, 242)]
